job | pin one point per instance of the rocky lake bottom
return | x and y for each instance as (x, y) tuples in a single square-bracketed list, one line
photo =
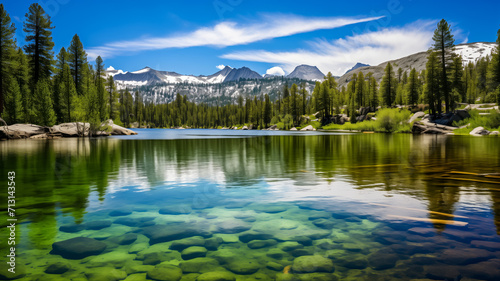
[(260, 242), (254, 207)]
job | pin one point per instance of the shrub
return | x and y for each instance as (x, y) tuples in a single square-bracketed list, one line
[(392, 120)]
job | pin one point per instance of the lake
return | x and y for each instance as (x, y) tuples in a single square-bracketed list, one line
[(254, 205)]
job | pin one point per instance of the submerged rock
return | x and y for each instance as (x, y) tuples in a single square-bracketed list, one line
[(216, 276), (212, 244), (381, 260), (243, 266), (122, 212), (270, 208), (133, 222), (275, 254), (97, 225), (193, 252), (257, 244), (165, 273), (72, 228), (317, 277), (290, 246), (465, 256), (127, 239), (182, 244), (233, 226), (274, 266), (324, 223), (78, 248), (249, 236), (105, 273), (57, 267), (309, 264), (165, 233), (198, 265)]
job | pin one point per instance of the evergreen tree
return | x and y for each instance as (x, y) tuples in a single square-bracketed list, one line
[(303, 93), (388, 86), (432, 89), (39, 45), (360, 90), (267, 111), (13, 103), (113, 106), (67, 95), (456, 73), (44, 111), (374, 98), (412, 88), (62, 60), (23, 79), (494, 70), (286, 102), (78, 65), (294, 107), (100, 75), (443, 45), (7, 51)]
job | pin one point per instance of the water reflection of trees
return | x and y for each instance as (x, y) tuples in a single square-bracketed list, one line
[(58, 176)]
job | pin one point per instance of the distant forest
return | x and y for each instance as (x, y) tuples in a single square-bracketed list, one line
[(38, 88)]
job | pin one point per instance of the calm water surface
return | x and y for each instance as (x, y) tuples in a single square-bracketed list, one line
[(246, 205)]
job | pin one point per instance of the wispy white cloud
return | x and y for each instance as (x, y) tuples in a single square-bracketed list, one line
[(229, 33), (220, 66), (339, 55), (276, 71)]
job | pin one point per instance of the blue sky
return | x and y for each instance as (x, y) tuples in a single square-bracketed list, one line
[(194, 37)]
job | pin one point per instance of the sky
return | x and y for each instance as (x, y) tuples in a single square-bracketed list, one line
[(201, 37)]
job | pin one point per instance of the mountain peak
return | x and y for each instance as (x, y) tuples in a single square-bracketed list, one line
[(357, 65), (306, 72)]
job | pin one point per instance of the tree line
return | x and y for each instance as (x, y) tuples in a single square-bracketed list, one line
[(36, 87)]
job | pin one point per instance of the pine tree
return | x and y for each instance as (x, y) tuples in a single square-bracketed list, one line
[(44, 111), (22, 76), (388, 86), (267, 111), (78, 65), (443, 45), (412, 88), (13, 103), (360, 90), (374, 97), (7, 51), (62, 60), (494, 70), (432, 89), (39, 45), (99, 83), (294, 107), (303, 93), (286, 102), (67, 95), (456, 73)]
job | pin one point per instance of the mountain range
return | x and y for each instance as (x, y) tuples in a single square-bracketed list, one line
[(148, 76), (227, 84)]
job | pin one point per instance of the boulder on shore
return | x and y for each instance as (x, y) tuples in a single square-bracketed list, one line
[(308, 128), (479, 131), (67, 130)]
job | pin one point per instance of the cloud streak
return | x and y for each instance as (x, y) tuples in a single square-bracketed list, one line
[(339, 55), (229, 33)]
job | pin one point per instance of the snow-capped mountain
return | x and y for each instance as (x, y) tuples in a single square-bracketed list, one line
[(149, 76), (470, 52), (306, 72)]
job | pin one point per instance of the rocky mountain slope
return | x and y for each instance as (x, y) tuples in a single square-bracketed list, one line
[(469, 52)]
